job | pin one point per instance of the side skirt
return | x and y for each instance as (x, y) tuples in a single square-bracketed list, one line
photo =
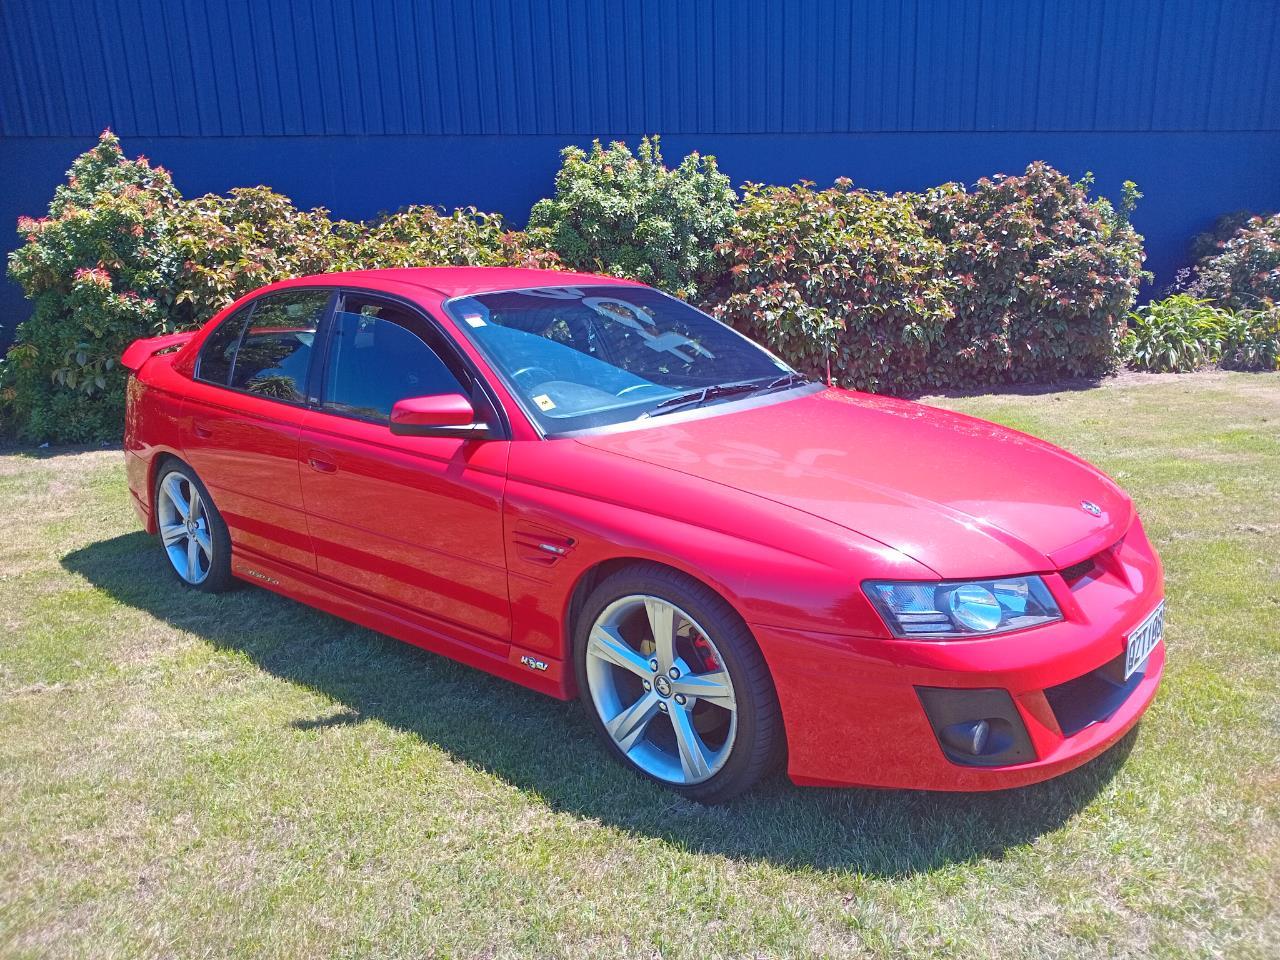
[(528, 668)]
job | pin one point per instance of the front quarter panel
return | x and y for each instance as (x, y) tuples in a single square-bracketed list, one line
[(570, 508)]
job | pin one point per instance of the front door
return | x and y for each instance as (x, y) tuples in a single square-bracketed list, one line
[(242, 417), (416, 521)]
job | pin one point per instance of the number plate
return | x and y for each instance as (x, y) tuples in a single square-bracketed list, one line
[(1140, 643)]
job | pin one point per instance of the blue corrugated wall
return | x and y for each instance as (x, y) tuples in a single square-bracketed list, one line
[(361, 105)]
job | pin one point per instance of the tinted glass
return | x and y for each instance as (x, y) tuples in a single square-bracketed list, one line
[(275, 351), (219, 350), (594, 355), (375, 359)]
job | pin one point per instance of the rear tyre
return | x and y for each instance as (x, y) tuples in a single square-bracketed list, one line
[(675, 684), (192, 533)]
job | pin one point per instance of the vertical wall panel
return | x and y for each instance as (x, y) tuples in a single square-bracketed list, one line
[(580, 80), (267, 61), (862, 93), (404, 55), (933, 48), (15, 101), (48, 106), (1256, 89), (474, 52), (295, 71), (705, 101)]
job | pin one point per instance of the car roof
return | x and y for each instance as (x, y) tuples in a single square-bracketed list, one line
[(461, 281)]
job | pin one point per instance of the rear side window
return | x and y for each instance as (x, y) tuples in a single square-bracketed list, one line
[(377, 357), (219, 351), (275, 350)]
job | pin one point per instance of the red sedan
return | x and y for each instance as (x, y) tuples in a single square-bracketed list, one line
[(591, 488)]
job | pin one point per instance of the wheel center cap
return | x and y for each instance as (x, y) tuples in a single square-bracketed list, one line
[(662, 685), (191, 526)]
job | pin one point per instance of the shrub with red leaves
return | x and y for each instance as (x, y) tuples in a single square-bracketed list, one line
[(99, 270), (1243, 271), (1045, 278)]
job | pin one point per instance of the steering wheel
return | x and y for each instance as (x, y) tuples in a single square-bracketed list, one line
[(526, 371)]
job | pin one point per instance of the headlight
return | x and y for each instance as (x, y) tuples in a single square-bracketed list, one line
[(971, 608)]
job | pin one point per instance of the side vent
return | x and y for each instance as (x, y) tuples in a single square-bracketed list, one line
[(540, 545)]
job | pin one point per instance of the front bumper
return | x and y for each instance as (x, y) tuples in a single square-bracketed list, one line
[(853, 709)]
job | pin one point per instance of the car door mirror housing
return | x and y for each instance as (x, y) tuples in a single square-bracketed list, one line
[(439, 415)]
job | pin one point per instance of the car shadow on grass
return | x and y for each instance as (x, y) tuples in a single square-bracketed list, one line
[(548, 750)]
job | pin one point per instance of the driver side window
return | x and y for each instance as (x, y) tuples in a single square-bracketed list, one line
[(376, 358)]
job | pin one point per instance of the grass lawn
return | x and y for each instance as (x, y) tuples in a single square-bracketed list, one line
[(185, 776)]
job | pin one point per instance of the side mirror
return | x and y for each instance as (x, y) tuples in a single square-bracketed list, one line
[(439, 415)]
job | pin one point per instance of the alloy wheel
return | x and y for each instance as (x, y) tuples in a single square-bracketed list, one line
[(184, 527), (661, 689)]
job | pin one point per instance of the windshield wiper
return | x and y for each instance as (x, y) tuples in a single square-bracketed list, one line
[(719, 391), (786, 380), (695, 397)]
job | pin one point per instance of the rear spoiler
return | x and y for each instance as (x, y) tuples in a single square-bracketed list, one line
[(140, 351)]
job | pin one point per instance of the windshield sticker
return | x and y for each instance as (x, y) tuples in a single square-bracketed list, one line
[(544, 402), (474, 319)]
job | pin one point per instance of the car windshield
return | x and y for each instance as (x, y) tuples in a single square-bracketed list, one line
[(589, 356)]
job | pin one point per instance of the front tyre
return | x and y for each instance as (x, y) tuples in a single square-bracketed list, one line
[(192, 532), (675, 683)]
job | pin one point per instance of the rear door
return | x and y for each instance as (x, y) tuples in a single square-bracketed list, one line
[(416, 521), (243, 415)]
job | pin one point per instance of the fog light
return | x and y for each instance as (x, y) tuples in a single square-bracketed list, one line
[(970, 738), (977, 727)]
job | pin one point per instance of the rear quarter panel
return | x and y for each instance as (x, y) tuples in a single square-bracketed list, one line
[(153, 412)]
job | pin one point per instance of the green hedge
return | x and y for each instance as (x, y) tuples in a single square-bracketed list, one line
[(628, 215), (1044, 278), (1223, 311), (842, 283), (121, 255), (231, 245), (100, 271), (1240, 266), (1023, 278), (1019, 278)]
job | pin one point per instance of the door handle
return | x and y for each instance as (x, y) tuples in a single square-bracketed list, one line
[(321, 465), (200, 430)]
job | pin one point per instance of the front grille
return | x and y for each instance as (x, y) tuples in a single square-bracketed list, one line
[(1090, 568), (1077, 570)]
